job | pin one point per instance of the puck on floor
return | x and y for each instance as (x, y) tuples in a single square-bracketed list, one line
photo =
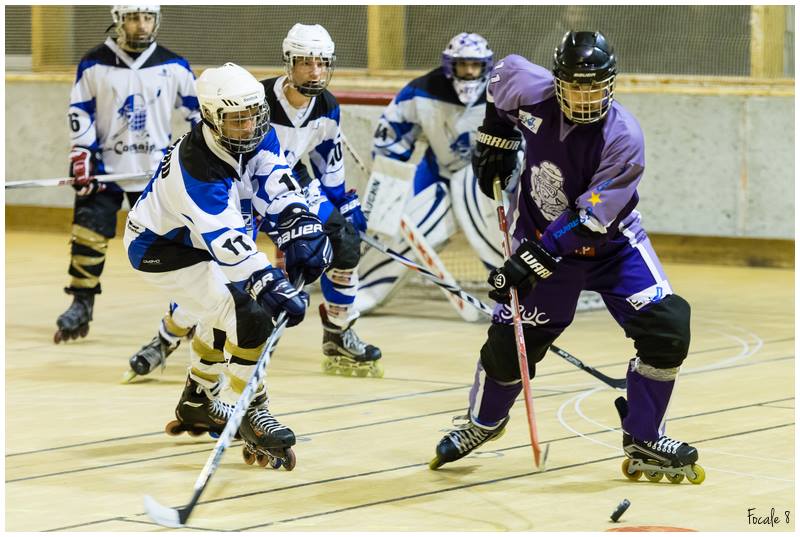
[(621, 508)]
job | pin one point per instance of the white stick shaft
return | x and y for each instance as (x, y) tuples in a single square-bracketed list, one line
[(63, 181)]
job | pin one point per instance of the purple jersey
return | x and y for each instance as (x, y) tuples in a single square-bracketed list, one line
[(575, 175)]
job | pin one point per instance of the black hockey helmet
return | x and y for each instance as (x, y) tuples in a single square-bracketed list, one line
[(584, 65)]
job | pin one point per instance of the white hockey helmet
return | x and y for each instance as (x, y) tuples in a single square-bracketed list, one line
[(309, 41), (233, 105), (134, 42), (468, 47)]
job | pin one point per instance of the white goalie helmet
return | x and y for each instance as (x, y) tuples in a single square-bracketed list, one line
[(471, 48), (309, 41), (233, 105), (136, 43)]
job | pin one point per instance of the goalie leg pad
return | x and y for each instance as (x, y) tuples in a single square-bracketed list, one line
[(661, 333), (430, 211), (499, 352), (477, 216)]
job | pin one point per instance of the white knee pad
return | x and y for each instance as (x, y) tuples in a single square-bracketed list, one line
[(477, 216)]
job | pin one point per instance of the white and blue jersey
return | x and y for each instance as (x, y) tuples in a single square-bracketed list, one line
[(121, 107), (312, 132), (428, 107), (198, 206)]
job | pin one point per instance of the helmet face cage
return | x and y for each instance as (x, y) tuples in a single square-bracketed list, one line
[(585, 102), (119, 13), (467, 47), (584, 69), (449, 65), (310, 88), (225, 122)]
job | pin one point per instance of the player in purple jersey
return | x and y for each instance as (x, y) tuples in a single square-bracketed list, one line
[(574, 227)]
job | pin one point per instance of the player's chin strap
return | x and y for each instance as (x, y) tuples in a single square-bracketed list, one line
[(177, 518)]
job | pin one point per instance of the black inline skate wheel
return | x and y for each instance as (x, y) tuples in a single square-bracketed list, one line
[(248, 456), (289, 461), (174, 428)]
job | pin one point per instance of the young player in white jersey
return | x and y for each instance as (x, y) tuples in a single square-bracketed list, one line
[(445, 108), (188, 236), (305, 117), (119, 118)]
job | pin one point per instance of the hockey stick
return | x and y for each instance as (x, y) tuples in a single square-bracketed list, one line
[(176, 518), (419, 245), (62, 181), (449, 287), (618, 384), (522, 353)]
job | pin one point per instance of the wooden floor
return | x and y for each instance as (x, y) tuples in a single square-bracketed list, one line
[(82, 450)]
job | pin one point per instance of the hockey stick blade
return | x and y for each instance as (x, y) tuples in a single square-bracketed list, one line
[(619, 384), (164, 516)]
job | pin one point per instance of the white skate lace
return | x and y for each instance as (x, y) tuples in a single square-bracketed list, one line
[(262, 419), (665, 444), (221, 409), (466, 434)]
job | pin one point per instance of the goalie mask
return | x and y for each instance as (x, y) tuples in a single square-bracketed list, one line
[(308, 55), (233, 105), (138, 35), (467, 61), (585, 68)]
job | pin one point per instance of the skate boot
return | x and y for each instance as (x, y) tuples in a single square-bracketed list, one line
[(266, 441), (658, 458), (74, 322), (462, 440), (149, 357), (199, 411), (345, 353)]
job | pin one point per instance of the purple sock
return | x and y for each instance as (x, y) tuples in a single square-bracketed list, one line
[(489, 400), (647, 405)]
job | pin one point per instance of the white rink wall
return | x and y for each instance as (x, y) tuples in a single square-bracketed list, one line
[(715, 165)]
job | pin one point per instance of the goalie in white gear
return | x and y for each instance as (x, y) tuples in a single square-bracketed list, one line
[(191, 235), (445, 107), (120, 122)]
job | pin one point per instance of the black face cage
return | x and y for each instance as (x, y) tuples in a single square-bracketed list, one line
[(312, 88), (239, 145), (593, 100)]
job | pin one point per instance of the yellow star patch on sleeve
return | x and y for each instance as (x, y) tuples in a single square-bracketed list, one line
[(595, 199)]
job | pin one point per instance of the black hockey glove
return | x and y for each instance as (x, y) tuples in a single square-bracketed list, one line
[(273, 292), (302, 239), (529, 262), (495, 156)]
